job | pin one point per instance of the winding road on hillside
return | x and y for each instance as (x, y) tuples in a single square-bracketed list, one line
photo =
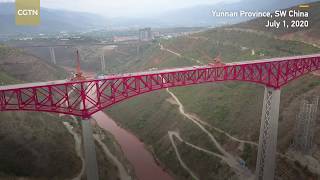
[(144, 164), (78, 144), (228, 158), (162, 48), (171, 134), (317, 73), (177, 135), (122, 171), (123, 174), (244, 173), (78, 148), (168, 50), (233, 162)]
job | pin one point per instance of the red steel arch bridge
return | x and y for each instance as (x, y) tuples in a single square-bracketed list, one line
[(86, 97)]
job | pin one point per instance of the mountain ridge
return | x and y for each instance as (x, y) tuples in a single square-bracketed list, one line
[(52, 20), (55, 20), (308, 34)]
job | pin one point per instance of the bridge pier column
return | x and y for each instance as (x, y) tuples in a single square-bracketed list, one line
[(266, 158), (52, 55), (89, 151), (103, 63)]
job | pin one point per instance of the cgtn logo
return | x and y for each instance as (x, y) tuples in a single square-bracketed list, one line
[(28, 12)]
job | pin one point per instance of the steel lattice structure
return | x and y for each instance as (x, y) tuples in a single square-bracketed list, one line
[(83, 98)]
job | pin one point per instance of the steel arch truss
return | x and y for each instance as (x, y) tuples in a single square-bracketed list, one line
[(84, 98)]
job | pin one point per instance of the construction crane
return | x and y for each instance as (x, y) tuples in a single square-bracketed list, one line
[(217, 61), (78, 76)]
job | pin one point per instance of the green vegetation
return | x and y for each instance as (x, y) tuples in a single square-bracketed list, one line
[(107, 170), (206, 166), (6, 79), (234, 107), (116, 150), (308, 34), (248, 157), (33, 145), (237, 46), (25, 67), (36, 145)]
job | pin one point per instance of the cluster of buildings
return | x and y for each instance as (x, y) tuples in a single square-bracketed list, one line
[(145, 34)]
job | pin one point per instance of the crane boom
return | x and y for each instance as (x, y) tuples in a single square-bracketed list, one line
[(78, 75)]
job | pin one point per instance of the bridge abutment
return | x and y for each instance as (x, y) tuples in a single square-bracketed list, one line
[(266, 158), (89, 151)]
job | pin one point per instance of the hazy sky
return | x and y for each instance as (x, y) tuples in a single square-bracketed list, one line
[(123, 8)]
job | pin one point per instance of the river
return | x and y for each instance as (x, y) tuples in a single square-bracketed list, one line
[(144, 164)]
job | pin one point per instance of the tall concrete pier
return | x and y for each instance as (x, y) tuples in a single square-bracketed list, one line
[(266, 160), (305, 126), (52, 55), (89, 151), (103, 63)]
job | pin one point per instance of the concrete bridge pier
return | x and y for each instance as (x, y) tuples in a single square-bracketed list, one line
[(138, 48), (103, 63), (89, 151), (52, 55), (266, 158)]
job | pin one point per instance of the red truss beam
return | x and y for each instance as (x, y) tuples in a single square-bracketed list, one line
[(83, 98)]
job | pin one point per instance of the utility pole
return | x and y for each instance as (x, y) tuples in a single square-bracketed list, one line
[(266, 158)]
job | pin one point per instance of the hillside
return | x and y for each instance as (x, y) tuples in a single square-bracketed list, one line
[(233, 107), (26, 67), (33, 144), (39, 146), (225, 109), (309, 34), (53, 20), (201, 15)]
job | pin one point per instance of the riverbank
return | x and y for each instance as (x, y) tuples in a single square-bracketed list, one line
[(137, 154)]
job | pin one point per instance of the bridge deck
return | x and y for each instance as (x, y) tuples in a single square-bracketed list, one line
[(180, 69)]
